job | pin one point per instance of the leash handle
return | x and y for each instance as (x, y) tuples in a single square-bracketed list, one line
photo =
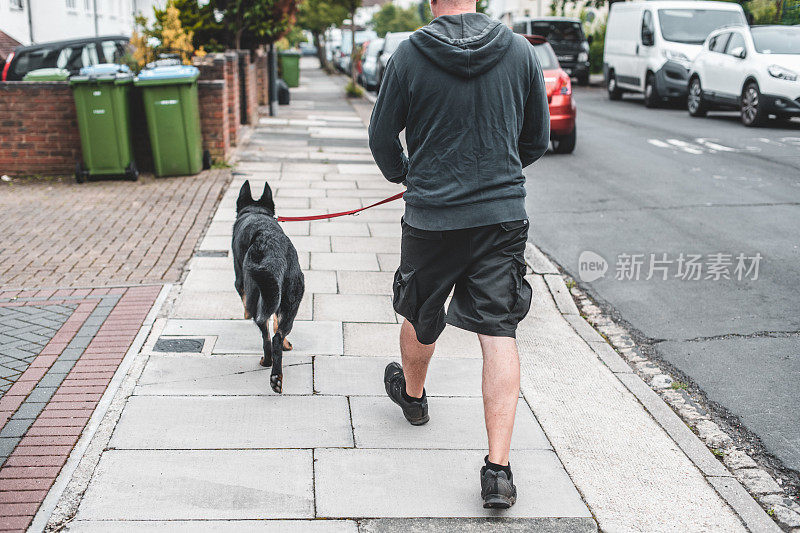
[(342, 213)]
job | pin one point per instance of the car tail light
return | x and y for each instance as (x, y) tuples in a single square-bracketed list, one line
[(8, 64), (563, 84)]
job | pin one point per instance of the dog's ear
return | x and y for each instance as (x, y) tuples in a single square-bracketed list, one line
[(245, 197), (266, 198)]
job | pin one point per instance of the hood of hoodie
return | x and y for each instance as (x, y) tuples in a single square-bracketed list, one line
[(466, 45)]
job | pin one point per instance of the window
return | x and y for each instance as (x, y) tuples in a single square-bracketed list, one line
[(692, 26), (16, 4), (735, 44), (719, 42), (776, 39), (87, 5), (520, 27), (111, 52), (71, 5), (648, 29)]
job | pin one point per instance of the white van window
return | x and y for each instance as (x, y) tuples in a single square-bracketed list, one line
[(648, 30), (692, 26)]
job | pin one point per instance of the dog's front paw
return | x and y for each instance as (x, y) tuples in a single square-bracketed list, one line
[(287, 346), (276, 381), (265, 362)]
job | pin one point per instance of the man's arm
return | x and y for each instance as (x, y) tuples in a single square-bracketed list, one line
[(388, 120), (535, 136)]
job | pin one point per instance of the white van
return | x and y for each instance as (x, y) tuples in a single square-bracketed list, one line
[(650, 46)]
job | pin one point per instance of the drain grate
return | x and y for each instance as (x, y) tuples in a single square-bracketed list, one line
[(211, 253), (179, 345)]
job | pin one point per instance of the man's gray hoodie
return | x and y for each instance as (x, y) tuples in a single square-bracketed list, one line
[(471, 97)]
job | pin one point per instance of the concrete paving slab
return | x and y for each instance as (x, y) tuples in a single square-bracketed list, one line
[(357, 168), (320, 281), (295, 228), (398, 483), (217, 375), (312, 243), (365, 244), (200, 485), (477, 525), (456, 424), (354, 308), (363, 376), (211, 242), (389, 262), (382, 340), (344, 261), (218, 422), (209, 280), (336, 205), (340, 228), (214, 526), (211, 305), (352, 282), (208, 263), (285, 192), (242, 336)]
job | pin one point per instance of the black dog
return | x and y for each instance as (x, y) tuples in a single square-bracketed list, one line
[(268, 275)]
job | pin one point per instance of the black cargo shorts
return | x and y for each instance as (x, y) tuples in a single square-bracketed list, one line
[(486, 265)]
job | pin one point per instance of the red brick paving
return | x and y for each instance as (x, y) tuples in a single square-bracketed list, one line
[(33, 466)]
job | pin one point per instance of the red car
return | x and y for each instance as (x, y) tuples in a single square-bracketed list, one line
[(559, 97)]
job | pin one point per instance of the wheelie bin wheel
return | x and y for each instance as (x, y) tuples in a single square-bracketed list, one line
[(131, 172)]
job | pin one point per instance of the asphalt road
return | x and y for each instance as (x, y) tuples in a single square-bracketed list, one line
[(645, 181)]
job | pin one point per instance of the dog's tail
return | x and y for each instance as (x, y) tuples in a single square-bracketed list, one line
[(267, 276)]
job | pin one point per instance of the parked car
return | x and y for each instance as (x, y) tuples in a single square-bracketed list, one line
[(368, 76), (70, 55), (390, 43), (566, 37), (754, 70), (308, 49), (650, 45), (343, 60), (563, 131)]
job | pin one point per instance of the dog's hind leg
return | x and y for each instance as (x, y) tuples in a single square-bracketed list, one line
[(267, 359), (286, 317)]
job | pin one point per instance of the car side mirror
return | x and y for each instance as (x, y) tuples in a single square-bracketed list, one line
[(739, 52)]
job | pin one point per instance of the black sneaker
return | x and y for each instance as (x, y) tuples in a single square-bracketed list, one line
[(497, 489), (395, 382)]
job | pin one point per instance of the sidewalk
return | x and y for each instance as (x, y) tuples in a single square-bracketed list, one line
[(195, 439)]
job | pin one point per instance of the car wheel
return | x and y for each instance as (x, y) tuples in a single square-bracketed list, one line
[(565, 144), (752, 112), (694, 100), (614, 92), (651, 97)]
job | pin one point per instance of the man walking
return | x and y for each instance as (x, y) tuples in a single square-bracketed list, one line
[(471, 97)]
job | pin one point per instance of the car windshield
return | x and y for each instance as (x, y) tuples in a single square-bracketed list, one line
[(546, 56), (692, 26), (393, 40), (557, 31), (777, 39)]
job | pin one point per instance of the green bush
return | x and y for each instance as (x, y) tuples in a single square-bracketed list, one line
[(596, 49), (353, 91), (763, 11)]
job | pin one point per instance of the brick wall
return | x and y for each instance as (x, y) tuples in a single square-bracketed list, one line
[(262, 80), (252, 94), (39, 128), (232, 80), (213, 96)]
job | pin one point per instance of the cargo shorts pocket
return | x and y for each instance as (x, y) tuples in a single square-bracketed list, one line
[(405, 294), (521, 289)]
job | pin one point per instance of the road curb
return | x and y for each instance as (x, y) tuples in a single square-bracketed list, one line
[(724, 482), (54, 495)]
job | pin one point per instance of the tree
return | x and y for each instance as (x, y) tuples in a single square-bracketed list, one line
[(391, 18), (253, 23), (167, 31), (763, 11), (317, 16)]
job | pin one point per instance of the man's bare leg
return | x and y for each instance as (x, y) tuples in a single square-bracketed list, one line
[(500, 393), (416, 357)]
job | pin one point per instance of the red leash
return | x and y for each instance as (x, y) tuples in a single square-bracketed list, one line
[(343, 213)]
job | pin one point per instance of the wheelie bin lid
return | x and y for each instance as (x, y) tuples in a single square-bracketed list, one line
[(167, 75), (103, 73), (47, 74), (290, 52)]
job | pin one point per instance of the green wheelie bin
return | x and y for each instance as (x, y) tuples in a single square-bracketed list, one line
[(290, 67), (102, 103), (47, 74), (169, 94)]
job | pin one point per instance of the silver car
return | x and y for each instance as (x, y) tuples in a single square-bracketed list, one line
[(369, 64)]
